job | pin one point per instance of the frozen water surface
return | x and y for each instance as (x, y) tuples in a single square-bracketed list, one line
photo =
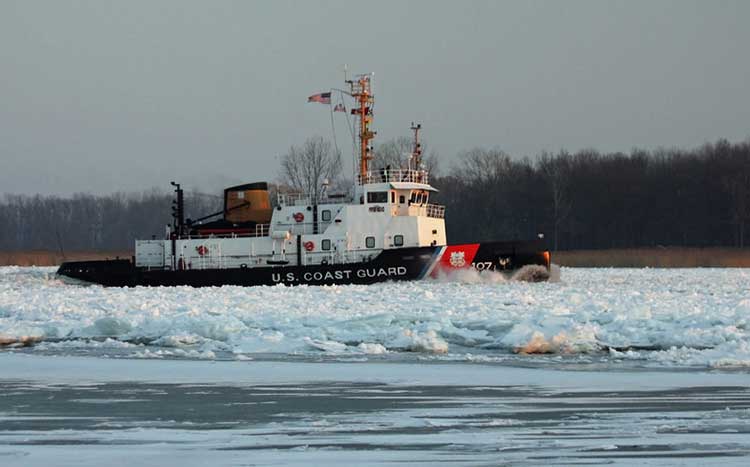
[(651, 317), (85, 411), (604, 366)]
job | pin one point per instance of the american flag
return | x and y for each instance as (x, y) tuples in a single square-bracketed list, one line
[(339, 108), (323, 98)]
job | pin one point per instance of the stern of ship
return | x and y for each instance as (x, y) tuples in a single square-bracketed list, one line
[(113, 272)]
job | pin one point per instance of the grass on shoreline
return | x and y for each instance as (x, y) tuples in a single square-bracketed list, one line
[(672, 257)]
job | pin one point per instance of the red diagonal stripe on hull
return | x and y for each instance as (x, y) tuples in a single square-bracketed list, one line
[(457, 257)]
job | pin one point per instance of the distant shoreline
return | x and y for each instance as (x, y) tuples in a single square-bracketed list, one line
[(665, 257)]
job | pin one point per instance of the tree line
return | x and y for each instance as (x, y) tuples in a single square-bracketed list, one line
[(583, 200), (88, 222), (591, 200)]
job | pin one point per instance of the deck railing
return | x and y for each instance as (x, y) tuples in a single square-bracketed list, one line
[(303, 228), (435, 210), (261, 230), (432, 210), (301, 199), (394, 175)]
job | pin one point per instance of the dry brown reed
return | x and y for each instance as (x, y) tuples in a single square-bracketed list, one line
[(672, 257)]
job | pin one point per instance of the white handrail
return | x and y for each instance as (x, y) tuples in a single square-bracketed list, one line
[(435, 210), (394, 175), (301, 199), (261, 230)]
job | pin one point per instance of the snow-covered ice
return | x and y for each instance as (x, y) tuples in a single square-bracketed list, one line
[(652, 317), (604, 366)]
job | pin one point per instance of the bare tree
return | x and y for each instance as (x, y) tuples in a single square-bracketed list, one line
[(305, 168), (397, 152), (737, 186), (556, 173), (488, 176)]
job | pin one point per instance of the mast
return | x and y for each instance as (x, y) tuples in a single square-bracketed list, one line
[(361, 91), (178, 209), (416, 153)]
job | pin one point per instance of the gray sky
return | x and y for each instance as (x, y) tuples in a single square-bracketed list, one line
[(106, 96)]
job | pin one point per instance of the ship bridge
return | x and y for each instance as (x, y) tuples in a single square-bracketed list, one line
[(405, 192)]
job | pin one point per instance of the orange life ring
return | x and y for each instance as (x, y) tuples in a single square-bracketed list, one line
[(202, 250), (309, 246), (298, 216)]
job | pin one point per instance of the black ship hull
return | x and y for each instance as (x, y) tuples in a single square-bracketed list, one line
[(390, 265)]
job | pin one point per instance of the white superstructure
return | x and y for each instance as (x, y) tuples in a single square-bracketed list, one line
[(389, 209)]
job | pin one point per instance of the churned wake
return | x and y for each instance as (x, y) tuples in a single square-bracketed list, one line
[(528, 273), (685, 317)]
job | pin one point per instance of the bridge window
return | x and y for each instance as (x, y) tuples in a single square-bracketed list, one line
[(325, 244), (393, 197), (377, 196), (326, 215), (370, 242), (402, 199), (398, 240)]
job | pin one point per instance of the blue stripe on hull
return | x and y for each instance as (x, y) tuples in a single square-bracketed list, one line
[(429, 267)]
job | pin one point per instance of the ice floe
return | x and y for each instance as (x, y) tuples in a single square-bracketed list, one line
[(665, 317)]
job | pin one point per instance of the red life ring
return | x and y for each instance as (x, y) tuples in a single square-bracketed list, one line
[(298, 217), (202, 250), (309, 246)]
